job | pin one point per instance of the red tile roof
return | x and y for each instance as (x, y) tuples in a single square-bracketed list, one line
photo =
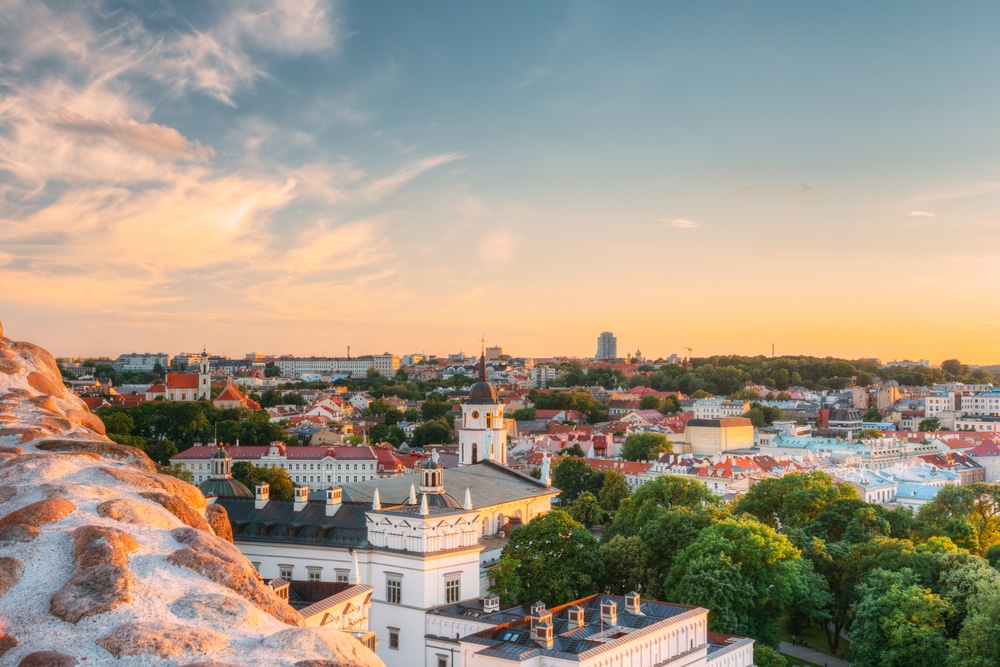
[(182, 380)]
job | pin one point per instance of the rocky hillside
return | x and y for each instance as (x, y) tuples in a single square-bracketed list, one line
[(105, 562)]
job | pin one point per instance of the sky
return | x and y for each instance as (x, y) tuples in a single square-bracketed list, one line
[(300, 176)]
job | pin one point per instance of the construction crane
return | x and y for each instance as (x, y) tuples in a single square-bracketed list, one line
[(689, 353)]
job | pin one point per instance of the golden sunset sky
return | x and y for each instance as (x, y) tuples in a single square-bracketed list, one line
[(297, 176)]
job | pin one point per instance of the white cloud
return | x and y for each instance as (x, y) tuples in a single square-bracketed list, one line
[(382, 187), (498, 246), (919, 214), (681, 223)]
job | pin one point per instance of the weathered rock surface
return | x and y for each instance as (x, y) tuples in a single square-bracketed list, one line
[(316, 641), (136, 512), (97, 565), (10, 574), (7, 642), (171, 485), (218, 519), (215, 609), (216, 559), (110, 450), (48, 659), (17, 533), (92, 591), (161, 639), (179, 508), (40, 513)]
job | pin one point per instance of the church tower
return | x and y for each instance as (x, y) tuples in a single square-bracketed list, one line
[(204, 378), (482, 435)]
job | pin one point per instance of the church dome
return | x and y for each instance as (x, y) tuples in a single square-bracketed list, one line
[(442, 501), (482, 393), (224, 488), (221, 453)]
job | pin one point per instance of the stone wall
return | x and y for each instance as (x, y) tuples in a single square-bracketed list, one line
[(105, 561)]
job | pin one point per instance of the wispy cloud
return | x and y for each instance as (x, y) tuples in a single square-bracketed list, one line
[(961, 191), (382, 187), (803, 187), (920, 214), (681, 223)]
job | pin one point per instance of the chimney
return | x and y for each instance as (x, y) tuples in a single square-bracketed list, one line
[(262, 496), (543, 634), (333, 499), (539, 615), (609, 613), (575, 617), (376, 502), (632, 603), (301, 497), (491, 603)]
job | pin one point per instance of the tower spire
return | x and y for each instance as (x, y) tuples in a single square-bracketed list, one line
[(482, 359)]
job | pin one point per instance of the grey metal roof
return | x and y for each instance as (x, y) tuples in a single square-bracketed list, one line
[(279, 523), (224, 488), (490, 484), (512, 639)]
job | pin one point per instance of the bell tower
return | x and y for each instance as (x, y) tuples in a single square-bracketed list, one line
[(204, 377), (482, 435)]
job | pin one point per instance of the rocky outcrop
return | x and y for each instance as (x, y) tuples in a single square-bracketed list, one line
[(164, 640), (106, 561), (218, 519)]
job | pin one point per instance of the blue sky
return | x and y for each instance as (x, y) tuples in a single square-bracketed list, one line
[(299, 176)]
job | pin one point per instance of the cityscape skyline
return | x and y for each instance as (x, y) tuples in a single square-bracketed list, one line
[(300, 176)]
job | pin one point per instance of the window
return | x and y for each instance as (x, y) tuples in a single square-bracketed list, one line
[(315, 573), (285, 572), (452, 588), (442, 661), (394, 638), (393, 589), (342, 575)]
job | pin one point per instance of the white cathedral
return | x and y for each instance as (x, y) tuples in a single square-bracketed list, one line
[(424, 556), (421, 541)]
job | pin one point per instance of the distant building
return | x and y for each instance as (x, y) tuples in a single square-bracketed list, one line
[(494, 353), (607, 346), (140, 362), (386, 364), (189, 386), (712, 436)]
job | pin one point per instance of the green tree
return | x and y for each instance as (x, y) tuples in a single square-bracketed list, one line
[(701, 393), (161, 451), (864, 380), (872, 415), (435, 407), (271, 370), (572, 476), (645, 446), (116, 421), (247, 473), (978, 643), (555, 558), (929, 424), (650, 403), (870, 434), (745, 573), (614, 489), (524, 414), (411, 415), (792, 500), (626, 565), (767, 656), (587, 510), (281, 485), (968, 514), (897, 623), (177, 470), (962, 576), (433, 432), (954, 369)]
